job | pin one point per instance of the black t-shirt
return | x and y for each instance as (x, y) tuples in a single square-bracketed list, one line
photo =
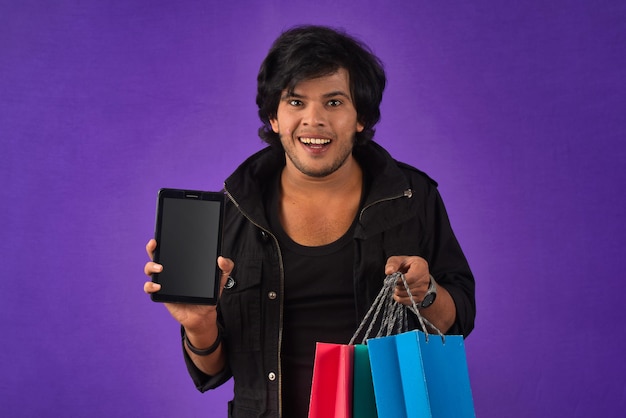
[(319, 306)]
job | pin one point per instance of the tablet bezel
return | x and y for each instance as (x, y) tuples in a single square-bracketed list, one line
[(191, 196)]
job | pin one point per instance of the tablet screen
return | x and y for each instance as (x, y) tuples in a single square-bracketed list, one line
[(188, 234)]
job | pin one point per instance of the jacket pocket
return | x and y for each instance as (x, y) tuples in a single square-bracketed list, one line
[(240, 306)]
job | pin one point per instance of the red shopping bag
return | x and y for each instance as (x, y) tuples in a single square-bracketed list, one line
[(331, 389)]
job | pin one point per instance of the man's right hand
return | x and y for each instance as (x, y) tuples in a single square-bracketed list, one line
[(197, 319)]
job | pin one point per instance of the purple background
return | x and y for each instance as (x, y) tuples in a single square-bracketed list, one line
[(517, 109)]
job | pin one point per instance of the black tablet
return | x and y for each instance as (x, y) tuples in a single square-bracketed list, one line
[(189, 235)]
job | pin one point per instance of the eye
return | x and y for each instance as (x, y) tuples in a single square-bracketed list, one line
[(295, 102), (334, 102)]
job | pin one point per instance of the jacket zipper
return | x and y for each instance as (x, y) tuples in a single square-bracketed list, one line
[(282, 291), (407, 193)]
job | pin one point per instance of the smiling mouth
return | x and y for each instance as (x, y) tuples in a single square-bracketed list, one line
[(314, 141)]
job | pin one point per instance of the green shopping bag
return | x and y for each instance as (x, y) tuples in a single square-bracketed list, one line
[(364, 404)]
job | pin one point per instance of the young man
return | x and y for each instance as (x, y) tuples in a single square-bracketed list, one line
[(314, 223)]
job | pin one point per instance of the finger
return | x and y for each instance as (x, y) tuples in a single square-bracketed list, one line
[(416, 266), (393, 264), (401, 293), (151, 287), (151, 268), (399, 299), (403, 300), (150, 247), (226, 265)]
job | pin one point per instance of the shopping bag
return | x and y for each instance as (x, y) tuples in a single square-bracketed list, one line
[(420, 376), (364, 404), (415, 375), (387, 381), (331, 387)]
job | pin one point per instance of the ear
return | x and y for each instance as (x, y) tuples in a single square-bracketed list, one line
[(359, 127), (274, 123)]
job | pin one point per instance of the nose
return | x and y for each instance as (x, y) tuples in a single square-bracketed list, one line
[(314, 115)]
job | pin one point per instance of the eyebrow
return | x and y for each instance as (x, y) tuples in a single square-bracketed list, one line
[(294, 95)]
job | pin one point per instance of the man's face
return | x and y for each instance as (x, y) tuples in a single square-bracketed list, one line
[(317, 123)]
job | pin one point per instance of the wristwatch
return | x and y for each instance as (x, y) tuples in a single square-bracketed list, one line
[(431, 294)]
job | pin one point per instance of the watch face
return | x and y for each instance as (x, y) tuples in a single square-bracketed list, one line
[(428, 300)]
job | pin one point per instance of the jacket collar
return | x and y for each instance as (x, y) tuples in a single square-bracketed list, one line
[(246, 186), (382, 171)]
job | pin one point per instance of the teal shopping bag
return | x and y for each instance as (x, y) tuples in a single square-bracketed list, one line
[(363, 403), (420, 376)]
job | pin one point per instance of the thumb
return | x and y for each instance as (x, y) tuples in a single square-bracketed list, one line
[(226, 265), (394, 264)]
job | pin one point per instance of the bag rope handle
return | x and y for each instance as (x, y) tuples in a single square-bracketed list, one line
[(394, 315)]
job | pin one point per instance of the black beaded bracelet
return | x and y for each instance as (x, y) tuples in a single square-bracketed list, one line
[(206, 351)]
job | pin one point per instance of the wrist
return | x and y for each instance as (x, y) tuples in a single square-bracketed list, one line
[(201, 346), (431, 294)]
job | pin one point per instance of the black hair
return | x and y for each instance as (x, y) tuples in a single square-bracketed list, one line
[(306, 52)]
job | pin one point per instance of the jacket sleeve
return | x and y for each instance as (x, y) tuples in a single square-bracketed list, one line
[(201, 380), (448, 264)]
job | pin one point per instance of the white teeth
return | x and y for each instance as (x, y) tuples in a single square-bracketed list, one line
[(314, 141)]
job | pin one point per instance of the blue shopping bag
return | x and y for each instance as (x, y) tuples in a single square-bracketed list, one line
[(414, 374), (420, 376)]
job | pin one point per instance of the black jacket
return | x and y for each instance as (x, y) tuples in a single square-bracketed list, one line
[(403, 214)]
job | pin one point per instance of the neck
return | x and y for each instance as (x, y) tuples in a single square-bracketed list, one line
[(348, 178)]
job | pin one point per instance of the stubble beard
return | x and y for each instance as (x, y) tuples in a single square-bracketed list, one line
[(336, 164)]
